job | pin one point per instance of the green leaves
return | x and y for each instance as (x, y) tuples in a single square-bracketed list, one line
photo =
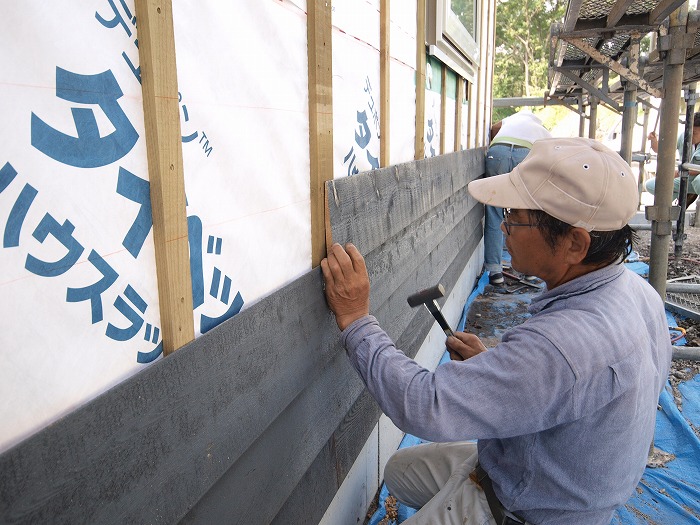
[(522, 45)]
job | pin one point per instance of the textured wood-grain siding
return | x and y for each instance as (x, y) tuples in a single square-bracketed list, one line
[(259, 420)]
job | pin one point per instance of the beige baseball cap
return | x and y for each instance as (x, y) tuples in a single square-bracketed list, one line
[(577, 180)]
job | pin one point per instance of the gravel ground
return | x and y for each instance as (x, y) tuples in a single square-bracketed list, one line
[(687, 264)]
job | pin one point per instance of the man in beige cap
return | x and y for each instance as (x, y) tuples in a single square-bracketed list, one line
[(563, 408)]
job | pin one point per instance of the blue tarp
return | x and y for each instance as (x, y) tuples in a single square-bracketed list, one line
[(671, 494), (666, 495)]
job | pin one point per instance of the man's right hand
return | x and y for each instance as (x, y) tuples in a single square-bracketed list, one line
[(654, 141)]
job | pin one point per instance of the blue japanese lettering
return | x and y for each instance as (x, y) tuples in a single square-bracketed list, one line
[(194, 237), (118, 18), (94, 291), (139, 191), (207, 323), (147, 357), (124, 334), (363, 137), (7, 175), (88, 149), (17, 215), (352, 169), (64, 234)]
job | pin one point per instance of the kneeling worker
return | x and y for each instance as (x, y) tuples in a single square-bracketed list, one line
[(564, 407)]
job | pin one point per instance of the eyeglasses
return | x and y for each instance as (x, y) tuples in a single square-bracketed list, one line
[(509, 225)]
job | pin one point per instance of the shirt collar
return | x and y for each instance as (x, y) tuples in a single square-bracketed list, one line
[(578, 286)]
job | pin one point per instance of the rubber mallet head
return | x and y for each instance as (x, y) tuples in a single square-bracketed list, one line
[(428, 298)]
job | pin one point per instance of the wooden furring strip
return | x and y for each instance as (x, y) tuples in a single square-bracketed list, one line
[(165, 171), (458, 114), (320, 73), (385, 83), (443, 110), (420, 81)]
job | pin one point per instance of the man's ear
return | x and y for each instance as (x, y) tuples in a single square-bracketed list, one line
[(578, 242)]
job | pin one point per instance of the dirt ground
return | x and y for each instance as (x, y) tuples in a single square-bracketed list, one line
[(687, 264)]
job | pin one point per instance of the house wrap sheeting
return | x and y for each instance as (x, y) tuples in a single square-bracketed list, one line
[(78, 274), (100, 424)]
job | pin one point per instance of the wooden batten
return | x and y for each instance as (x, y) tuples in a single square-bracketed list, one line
[(443, 111), (488, 71), (165, 170), (471, 114), (385, 83), (420, 80), (458, 113), (320, 60)]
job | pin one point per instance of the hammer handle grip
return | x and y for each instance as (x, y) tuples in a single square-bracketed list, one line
[(437, 314)]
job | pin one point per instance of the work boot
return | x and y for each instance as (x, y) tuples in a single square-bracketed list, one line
[(496, 278)]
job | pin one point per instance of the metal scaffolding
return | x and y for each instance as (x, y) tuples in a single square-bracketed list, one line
[(595, 59)]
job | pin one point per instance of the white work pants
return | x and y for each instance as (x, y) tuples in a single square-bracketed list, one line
[(434, 477)]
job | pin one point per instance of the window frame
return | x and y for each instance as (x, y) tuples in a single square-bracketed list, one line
[(449, 41)]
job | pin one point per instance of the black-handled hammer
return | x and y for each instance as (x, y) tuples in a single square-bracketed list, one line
[(428, 298)]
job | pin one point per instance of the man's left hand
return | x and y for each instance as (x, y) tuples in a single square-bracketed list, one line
[(347, 284), (464, 345)]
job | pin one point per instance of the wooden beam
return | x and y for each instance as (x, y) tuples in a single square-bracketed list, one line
[(165, 171), (618, 68), (320, 70), (384, 82), (663, 9), (617, 12), (591, 89), (420, 81), (458, 113), (443, 110), (491, 63), (483, 97), (572, 14)]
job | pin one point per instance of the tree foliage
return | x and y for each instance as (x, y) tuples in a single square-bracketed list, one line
[(522, 45)]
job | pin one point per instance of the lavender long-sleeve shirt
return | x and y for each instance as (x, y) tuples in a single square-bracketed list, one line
[(563, 408)]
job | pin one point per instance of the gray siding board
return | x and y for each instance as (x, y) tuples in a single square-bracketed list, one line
[(240, 425), (315, 491), (160, 439), (368, 212), (400, 254), (394, 314), (337, 457)]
